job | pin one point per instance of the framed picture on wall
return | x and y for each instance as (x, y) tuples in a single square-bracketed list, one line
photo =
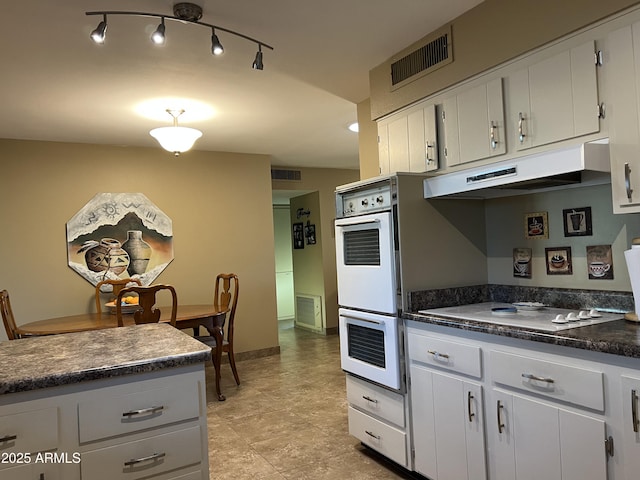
[(536, 225), (577, 222), (600, 262), (558, 261), (310, 233), (298, 235), (522, 262)]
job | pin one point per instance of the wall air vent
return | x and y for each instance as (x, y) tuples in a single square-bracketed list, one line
[(431, 56), (280, 174)]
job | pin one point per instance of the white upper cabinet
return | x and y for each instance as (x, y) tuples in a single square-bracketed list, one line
[(622, 54), (554, 99), (473, 122), (407, 140)]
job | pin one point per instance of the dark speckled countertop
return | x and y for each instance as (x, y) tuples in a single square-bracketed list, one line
[(619, 337), (41, 362)]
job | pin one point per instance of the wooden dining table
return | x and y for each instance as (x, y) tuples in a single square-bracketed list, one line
[(187, 317)]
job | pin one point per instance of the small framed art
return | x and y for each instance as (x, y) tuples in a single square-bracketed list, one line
[(558, 260), (522, 262), (298, 235), (600, 262), (577, 222), (536, 225)]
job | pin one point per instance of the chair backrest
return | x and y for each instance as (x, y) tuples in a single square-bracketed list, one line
[(7, 316), (226, 297), (147, 300), (117, 285)]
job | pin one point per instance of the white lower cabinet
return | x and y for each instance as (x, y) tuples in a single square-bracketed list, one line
[(377, 418), (533, 440), (630, 394)]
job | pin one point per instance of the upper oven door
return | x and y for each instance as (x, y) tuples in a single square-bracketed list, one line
[(365, 258)]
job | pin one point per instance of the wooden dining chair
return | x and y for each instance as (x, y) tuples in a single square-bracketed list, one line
[(13, 332), (147, 300), (226, 298), (117, 285)]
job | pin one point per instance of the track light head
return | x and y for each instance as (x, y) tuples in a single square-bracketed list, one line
[(216, 46), (157, 37), (257, 63), (99, 33)]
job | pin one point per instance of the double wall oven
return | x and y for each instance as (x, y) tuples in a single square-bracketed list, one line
[(368, 282)]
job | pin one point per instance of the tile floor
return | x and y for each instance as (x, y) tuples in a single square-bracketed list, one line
[(288, 418)]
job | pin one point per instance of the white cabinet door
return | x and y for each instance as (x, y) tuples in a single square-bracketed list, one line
[(555, 99), (630, 418), (534, 440), (448, 426), (623, 62), (399, 144), (449, 119), (423, 139), (383, 148)]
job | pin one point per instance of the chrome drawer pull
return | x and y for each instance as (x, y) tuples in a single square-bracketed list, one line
[(438, 355), (469, 412), (153, 456), (8, 438), (143, 411), (634, 410), (377, 437), (499, 407), (369, 399), (531, 376)]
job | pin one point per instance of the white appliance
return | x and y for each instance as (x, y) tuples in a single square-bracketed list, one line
[(580, 165), (369, 347), (526, 315)]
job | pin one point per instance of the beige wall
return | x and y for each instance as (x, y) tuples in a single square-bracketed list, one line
[(324, 181), (220, 205), (367, 142), (486, 36)]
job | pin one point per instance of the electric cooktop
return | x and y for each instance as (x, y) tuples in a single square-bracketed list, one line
[(525, 315)]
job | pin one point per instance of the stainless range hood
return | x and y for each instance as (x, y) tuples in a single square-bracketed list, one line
[(580, 165)]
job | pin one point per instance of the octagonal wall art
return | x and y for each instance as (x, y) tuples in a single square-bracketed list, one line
[(119, 235)]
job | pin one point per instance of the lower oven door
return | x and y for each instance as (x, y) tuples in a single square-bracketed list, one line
[(370, 348)]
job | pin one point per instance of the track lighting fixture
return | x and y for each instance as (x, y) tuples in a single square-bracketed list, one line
[(158, 36), (183, 12), (98, 34), (257, 63), (176, 139)]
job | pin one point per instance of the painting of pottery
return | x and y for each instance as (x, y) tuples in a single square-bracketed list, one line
[(119, 235), (600, 262)]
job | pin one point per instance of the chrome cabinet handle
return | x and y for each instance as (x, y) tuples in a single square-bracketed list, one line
[(492, 135), (369, 399), (428, 147), (438, 355), (521, 134), (153, 456), (143, 411), (634, 410), (531, 376), (627, 180), (377, 437), (8, 438), (470, 414), (499, 407)]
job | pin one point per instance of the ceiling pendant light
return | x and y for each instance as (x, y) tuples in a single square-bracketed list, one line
[(157, 37), (99, 33), (216, 46), (176, 139), (186, 13), (257, 63)]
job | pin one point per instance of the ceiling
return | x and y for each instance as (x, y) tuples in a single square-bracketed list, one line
[(57, 85)]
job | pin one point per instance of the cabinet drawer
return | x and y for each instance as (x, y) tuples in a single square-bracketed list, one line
[(143, 458), (376, 400), (124, 412), (454, 356), (29, 432), (384, 438), (562, 382)]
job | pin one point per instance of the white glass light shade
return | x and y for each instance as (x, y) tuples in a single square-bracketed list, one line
[(176, 139)]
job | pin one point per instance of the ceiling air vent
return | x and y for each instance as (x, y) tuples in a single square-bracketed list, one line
[(292, 175), (432, 55)]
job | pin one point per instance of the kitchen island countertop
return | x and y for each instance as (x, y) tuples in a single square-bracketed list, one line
[(619, 337), (41, 362)]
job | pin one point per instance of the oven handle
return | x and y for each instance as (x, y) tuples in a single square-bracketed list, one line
[(353, 223), (377, 322)]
